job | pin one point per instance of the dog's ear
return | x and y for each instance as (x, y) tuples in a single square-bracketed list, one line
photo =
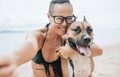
[(84, 19)]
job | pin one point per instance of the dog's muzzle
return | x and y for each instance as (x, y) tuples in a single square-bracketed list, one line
[(81, 45), (83, 41)]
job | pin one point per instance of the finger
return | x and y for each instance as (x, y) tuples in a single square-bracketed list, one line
[(63, 56), (57, 50), (7, 71), (5, 61)]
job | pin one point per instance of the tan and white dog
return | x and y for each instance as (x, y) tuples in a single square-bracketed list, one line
[(79, 37)]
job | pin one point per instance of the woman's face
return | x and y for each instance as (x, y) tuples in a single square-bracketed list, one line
[(61, 17)]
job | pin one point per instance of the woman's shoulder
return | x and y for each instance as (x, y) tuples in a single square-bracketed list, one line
[(37, 33)]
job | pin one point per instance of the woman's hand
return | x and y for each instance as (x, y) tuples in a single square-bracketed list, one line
[(7, 66), (65, 52)]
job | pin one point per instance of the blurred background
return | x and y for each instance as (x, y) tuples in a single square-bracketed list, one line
[(17, 17)]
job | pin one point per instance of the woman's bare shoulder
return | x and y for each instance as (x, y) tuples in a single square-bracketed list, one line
[(40, 33)]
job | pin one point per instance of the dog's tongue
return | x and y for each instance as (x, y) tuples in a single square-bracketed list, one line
[(85, 50)]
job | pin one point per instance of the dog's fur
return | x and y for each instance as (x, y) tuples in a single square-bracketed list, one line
[(79, 37)]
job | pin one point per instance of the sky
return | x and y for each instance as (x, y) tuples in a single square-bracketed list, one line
[(33, 13)]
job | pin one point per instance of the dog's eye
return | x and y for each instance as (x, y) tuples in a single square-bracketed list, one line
[(89, 29), (77, 30)]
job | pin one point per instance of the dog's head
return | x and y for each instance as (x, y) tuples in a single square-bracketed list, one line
[(80, 36)]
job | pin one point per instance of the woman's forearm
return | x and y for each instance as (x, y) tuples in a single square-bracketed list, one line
[(25, 53), (96, 50)]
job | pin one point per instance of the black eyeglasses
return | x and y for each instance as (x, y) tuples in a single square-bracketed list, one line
[(60, 19)]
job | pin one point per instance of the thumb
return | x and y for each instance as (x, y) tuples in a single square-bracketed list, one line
[(58, 51)]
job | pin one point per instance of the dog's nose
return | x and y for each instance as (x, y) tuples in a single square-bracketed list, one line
[(86, 40), (83, 41)]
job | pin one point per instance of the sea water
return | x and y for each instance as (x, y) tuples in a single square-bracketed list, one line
[(9, 41)]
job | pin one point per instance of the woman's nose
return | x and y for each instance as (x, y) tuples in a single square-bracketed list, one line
[(64, 22)]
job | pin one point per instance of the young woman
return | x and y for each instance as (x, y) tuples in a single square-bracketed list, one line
[(47, 62)]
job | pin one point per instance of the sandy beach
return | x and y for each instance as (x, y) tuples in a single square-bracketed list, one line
[(107, 65)]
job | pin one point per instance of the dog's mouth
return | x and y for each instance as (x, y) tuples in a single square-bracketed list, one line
[(84, 50), (81, 49)]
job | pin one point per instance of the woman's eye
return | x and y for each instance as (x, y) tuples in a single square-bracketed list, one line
[(77, 30)]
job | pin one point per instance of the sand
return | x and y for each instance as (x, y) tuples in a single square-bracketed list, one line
[(106, 65)]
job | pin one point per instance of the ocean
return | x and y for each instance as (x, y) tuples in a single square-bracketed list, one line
[(11, 40), (107, 36)]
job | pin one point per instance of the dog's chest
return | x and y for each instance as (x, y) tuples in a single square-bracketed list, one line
[(82, 66)]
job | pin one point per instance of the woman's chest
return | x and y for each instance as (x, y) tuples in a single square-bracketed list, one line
[(49, 50)]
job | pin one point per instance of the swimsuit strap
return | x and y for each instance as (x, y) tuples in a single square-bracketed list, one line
[(72, 65), (46, 64)]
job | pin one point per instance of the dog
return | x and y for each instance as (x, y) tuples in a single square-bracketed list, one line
[(79, 37)]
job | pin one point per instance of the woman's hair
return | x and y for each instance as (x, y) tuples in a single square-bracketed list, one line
[(53, 2)]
